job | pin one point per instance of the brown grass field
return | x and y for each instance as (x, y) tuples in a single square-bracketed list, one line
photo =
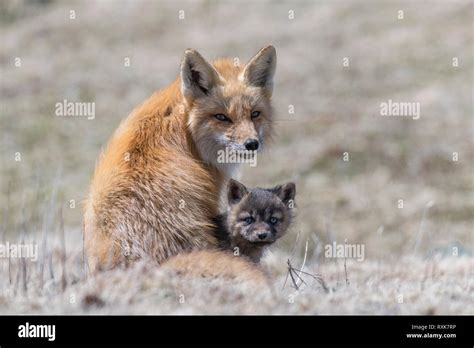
[(418, 258)]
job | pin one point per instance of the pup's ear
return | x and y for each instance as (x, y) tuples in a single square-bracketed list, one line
[(235, 191), (286, 192), (198, 77), (260, 69)]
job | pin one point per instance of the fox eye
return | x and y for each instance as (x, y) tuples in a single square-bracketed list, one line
[(248, 220), (255, 114), (222, 117), (273, 220)]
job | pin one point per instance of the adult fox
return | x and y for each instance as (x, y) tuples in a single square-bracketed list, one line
[(157, 185)]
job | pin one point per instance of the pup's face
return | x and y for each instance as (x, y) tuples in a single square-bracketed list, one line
[(229, 105), (259, 216)]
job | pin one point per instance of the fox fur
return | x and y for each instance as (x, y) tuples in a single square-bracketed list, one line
[(157, 185), (240, 241), (215, 264)]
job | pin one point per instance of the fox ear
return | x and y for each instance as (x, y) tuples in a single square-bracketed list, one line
[(286, 192), (235, 192), (198, 77), (260, 69)]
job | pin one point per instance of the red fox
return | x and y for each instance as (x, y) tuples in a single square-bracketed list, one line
[(215, 264), (254, 220), (157, 185)]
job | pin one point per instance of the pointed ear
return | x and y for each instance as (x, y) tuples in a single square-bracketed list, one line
[(260, 69), (235, 191), (198, 77), (286, 192)]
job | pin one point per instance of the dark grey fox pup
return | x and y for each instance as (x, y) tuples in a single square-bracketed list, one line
[(255, 218)]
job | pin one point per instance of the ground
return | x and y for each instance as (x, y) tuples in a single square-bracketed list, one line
[(401, 187)]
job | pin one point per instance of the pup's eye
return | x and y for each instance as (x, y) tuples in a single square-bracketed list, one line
[(255, 114), (273, 220), (222, 117), (248, 220)]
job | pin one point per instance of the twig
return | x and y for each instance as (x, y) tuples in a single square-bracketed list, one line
[(291, 275), (23, 265), (295, 244), (419, 234), (293, 270), (292, 254), (85, 263), (47, 225), (17, 282), (304, 259), (63, 246), (50, 264), (345, 263), (319, 278), (345, 271)]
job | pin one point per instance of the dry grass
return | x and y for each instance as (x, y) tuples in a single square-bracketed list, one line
[(408, 251), (436, 286)]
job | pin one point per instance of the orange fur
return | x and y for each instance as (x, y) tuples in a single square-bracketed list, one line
[(156, 186), (215, 265)]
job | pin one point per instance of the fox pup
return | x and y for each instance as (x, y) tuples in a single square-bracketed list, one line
[(255, 219), (156, 187)]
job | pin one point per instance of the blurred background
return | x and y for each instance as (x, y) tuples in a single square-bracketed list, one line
[(326, 105)]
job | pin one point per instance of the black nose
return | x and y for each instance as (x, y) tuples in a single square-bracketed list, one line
[(262, 235), (251, 144)]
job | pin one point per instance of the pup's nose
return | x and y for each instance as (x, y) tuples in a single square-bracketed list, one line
[(251, 144), (262, 235)]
